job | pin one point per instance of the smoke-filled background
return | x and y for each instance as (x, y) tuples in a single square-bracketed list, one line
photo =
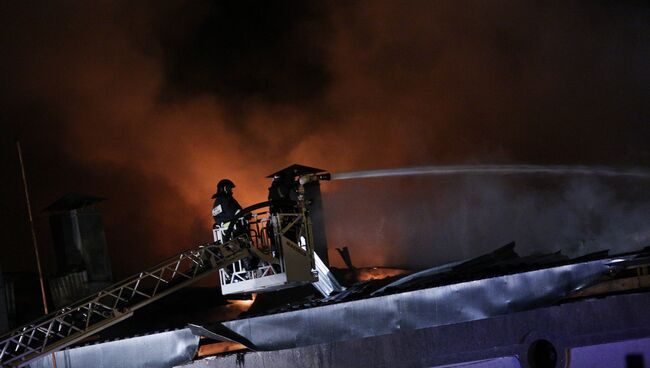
[(150, 103)]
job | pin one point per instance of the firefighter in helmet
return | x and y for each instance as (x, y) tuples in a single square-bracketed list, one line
[(282, 197), (283, 193), (225, 208), (226, 222)]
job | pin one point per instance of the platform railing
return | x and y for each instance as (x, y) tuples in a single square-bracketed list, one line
[(267, 231)]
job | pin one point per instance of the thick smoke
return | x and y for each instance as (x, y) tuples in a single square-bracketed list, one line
[(149, 105), (423, 221)]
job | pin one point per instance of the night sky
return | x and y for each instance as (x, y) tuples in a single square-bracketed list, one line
[(150, 103)]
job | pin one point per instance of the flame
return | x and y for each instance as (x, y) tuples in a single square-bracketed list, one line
[(242, 305), (378, 273)]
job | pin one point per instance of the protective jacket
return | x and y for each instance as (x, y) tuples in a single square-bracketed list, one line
[(224, 208)]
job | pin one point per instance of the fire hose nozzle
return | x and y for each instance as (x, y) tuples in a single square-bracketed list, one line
[(305, 179), (326, 176)]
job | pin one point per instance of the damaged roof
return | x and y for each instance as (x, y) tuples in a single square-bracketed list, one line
[(500, 262), (498, 283)]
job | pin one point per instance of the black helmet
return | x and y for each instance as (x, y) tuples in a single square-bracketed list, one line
[(224, 187)]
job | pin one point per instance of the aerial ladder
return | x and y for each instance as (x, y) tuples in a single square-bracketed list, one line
[(281, 244)]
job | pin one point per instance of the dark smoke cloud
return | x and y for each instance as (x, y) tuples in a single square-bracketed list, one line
[(150, 104), (246, 52)]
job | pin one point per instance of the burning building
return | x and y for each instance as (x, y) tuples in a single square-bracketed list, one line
[(499, 309), (149, 102)]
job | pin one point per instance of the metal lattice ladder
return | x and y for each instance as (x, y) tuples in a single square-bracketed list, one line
[(116, 303)]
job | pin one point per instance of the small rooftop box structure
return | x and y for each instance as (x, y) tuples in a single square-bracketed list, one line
[(83, 265), (78, 234)]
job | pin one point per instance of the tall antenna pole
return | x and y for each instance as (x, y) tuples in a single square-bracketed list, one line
[(31, 225)]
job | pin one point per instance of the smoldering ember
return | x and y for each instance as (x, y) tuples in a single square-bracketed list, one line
[(325, 184)]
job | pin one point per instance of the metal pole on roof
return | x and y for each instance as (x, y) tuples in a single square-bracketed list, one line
[(31, 226)]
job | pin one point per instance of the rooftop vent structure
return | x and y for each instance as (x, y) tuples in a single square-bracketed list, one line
[(83, 263)]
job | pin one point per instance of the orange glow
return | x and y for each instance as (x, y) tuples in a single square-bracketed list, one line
[(378, 273), (157, 157), (157, 161), (242, 305)]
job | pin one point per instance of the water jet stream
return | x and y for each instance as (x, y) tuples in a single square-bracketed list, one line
[(563, 170)]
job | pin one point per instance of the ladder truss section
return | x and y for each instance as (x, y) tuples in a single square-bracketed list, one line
[(114, 304)]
